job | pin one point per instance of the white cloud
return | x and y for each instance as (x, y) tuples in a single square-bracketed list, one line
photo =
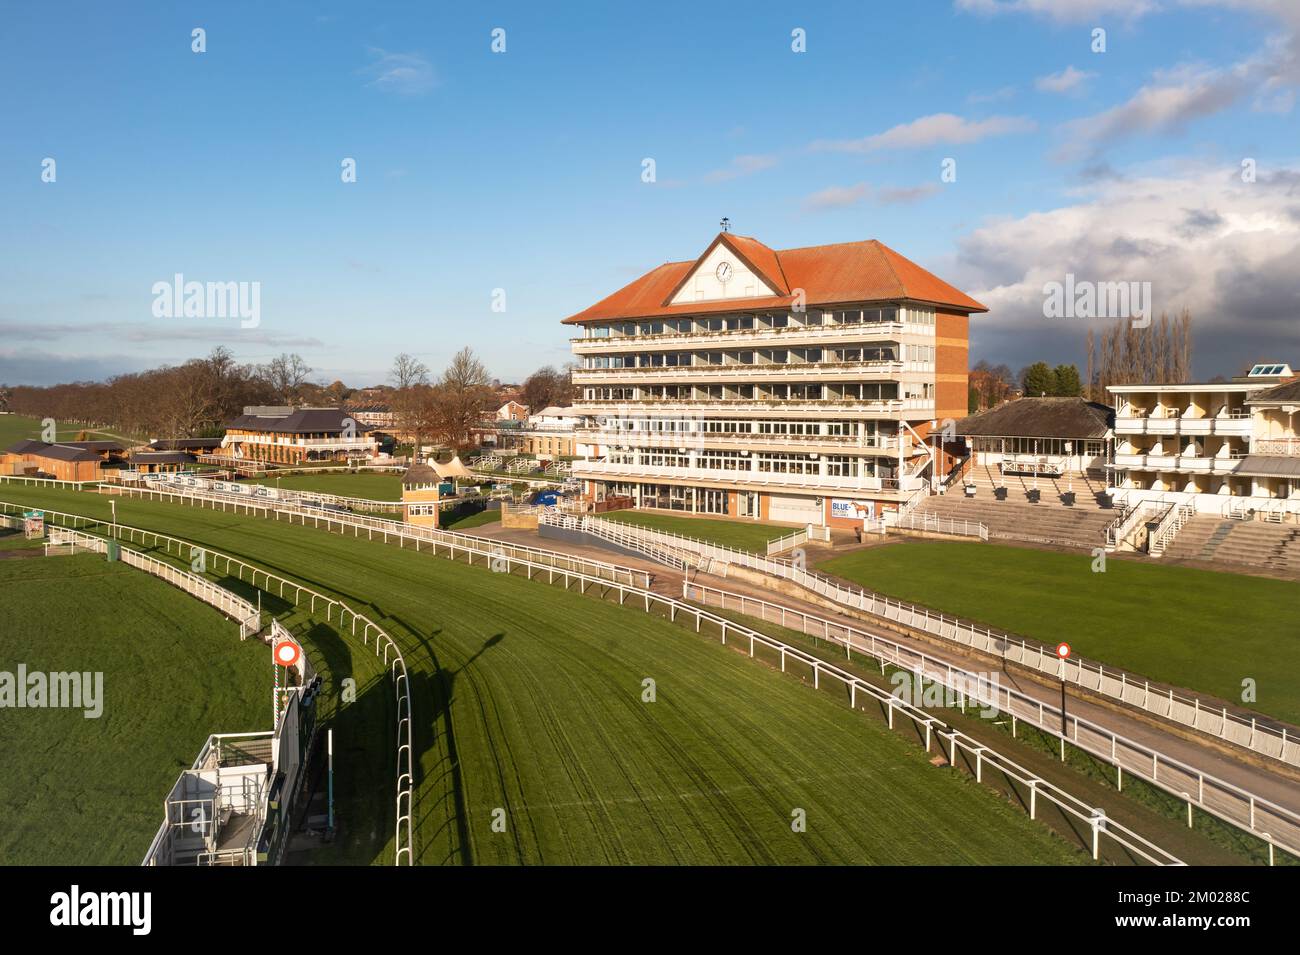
[(836, 197), (905, 195), (933, 130), (994, 96), (1167, 104), (1203, 238), (1062, 11), (406, 74), (1063, 82), (741, 166), (842, 197)]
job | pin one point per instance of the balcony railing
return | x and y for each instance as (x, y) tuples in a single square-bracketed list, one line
[(788, 336), (1287, 446), (742, 372), (812, 483), (1234, 424), (282, 442), (1198, 463), (919, 407), (661, 439)]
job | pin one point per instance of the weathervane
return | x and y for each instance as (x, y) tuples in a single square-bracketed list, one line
[(726, 224)]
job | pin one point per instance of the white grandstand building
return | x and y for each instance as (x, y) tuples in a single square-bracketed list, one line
[(1228, 448)]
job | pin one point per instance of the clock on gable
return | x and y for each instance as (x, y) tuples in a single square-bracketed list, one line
[(723, 272)]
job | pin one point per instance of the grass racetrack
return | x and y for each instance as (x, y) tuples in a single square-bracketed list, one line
[(77, 791), (1199, 629), (530, 713)]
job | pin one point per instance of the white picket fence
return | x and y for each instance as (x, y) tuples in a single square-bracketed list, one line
[(1273, 824), (378, 528), (960, 747), (348, 622), (1209, 790), (794, 539), (1274, 740), (929, 523)]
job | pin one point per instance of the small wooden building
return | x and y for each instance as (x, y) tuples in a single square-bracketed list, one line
[(420, 495)]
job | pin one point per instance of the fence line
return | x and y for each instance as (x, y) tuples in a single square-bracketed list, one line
[(347, 619), (933, 523), (48, 482), (673, 607), (1269, 739), (1274, 824), (403, 533), (958, 742), (242, 611)]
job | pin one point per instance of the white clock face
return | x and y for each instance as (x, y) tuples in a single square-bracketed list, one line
[(723, 272)]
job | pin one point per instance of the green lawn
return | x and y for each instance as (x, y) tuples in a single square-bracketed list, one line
[(528, 699), (744, 535), (78, 791), (477, 519), (14, 428), (1199, 629), (367, 484)]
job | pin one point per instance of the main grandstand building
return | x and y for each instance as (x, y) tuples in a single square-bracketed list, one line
[(803, 385)]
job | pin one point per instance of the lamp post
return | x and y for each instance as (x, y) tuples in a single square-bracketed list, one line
[(1063, 652)]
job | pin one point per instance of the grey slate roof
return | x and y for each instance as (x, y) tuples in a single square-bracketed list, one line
[(55, 452), (1286, 392), (1269, 465), (302, 421), (1041, 418)]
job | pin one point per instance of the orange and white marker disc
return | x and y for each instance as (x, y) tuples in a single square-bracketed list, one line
[(286, 653), (1062, 650)]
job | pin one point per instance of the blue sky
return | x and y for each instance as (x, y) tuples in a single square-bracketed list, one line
[(522, 170)]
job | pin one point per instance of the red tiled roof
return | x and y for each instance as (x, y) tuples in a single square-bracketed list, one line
[(828, 274)]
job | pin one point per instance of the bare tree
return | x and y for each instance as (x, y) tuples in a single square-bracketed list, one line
[(286, 375), (464, 396), (407, 371), (1124, 354), (546, 387)]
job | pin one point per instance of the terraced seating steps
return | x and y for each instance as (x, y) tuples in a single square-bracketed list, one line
[(1048, 522), (1257, 543)]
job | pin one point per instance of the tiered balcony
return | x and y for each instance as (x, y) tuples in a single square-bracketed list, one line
[(791, 337), (912, 408), (1169, 421), (1185, 463), (740, 373), (726, 441), (754, 480)]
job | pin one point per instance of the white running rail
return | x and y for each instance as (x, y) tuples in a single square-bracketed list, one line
[(1269, 738), (386, 530), (1274, 824), (348, 621)]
